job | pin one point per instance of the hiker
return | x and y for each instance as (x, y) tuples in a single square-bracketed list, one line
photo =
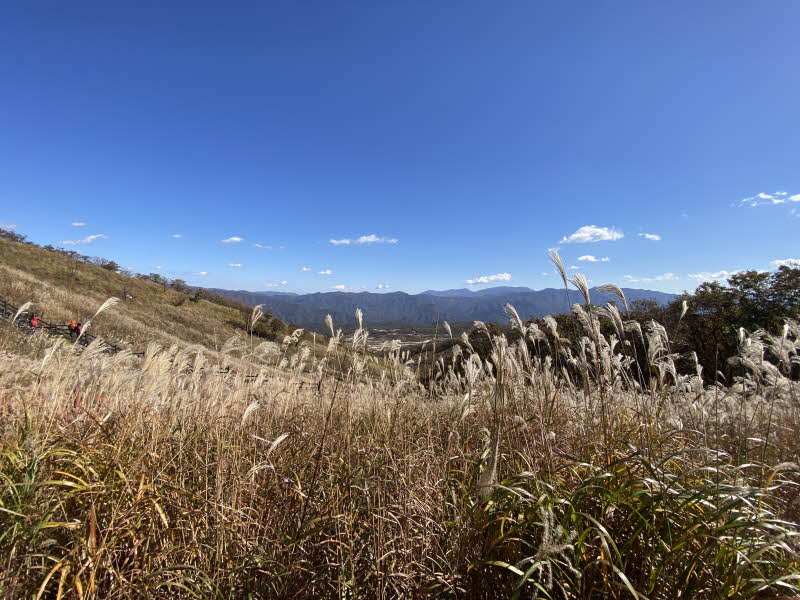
[(35, 322), (73, 328), (78, 328)]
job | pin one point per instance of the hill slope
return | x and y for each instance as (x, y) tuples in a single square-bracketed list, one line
[(62, 288)]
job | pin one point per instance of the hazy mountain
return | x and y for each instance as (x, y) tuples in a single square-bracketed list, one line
[(450, 293), (464, 292), (401, 309)]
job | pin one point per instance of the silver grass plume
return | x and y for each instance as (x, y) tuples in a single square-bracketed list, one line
[(516, 322), (256, 315), (22, 309), (113, 301), (552, 324), (611, 312), (579, 281), (684, 310), (466, 342), (558, 265), (233, 344), (610, 288), (329, 323), (555, 546)]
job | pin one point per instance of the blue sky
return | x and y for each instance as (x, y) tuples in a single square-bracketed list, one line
[(448, 141)]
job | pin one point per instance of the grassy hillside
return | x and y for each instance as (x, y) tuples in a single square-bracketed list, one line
[(62, 289), (555, 469)]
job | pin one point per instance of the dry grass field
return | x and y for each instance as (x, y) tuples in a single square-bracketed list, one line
[(545, 470)]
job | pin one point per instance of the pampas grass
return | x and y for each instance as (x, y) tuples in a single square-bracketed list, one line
[(509, 474)]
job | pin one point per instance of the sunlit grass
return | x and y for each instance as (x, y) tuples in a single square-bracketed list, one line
[(542, 470)]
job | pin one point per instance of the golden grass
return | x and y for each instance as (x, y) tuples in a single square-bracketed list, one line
[(163, 478), (61, 289), (541, 470)]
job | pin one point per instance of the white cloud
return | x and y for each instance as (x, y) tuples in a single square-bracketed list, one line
[(235, 265), (177, 236), (792, 263), (710, 276), (87, 240), (235, 239), (574, 268), (382, 286), (158, 267), (653, 237), (259, 245), (762, 199), (374, 239), (590, 258), (305, 269), (489, 279), (272, 284), (545, 274), (203, 273), (364, 239), (664, 277), (8, 226), (339, 287), (78, 224), (592, 233), (325, 272)]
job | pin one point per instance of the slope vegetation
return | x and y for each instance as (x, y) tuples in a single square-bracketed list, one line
[(61, 288)]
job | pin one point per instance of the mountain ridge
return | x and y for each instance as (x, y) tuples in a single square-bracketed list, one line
[(426, 308)]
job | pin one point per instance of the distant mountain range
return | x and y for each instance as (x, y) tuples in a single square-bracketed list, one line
[(425, 309)]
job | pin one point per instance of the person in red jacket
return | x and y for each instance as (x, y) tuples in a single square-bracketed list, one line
[(35, 321)]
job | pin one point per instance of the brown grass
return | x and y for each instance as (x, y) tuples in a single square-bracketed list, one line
[(164, 478)]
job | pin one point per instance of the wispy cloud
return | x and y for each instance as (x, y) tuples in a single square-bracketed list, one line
[(259, 245), (235, 239), (590, 258), (663, 277), (78, 224), (305, 269), (273, 284), (764, 199), (792, 263), (364, 239), (87, 240), (325, 272), (712, 275), (202, 273), (8, 226), (339, 287), (382, 286), (592, 233), (574, 268), (158, 267), (489, 279), (177, 236), (653, 237), (235, 265)]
